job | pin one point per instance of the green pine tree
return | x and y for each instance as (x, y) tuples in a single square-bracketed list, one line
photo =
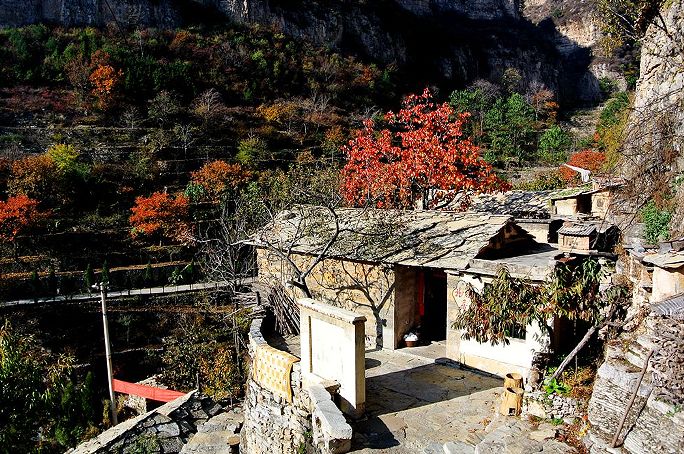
[(104, 274), (88, 278)]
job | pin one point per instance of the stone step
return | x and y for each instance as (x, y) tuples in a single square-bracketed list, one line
[(218, 435), (228, 421), (220, 442), (646, 341)]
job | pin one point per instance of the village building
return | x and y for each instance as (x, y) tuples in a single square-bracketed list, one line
[(544, 213), (409, 272)]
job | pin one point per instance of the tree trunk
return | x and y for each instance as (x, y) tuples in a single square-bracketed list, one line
[(512, 402)]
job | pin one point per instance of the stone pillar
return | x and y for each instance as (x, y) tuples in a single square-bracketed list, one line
[(332, 348)]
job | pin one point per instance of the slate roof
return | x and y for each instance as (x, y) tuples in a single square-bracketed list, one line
[(578, 230), (519, 204), (438, 239), (672, 307), (672, 260)]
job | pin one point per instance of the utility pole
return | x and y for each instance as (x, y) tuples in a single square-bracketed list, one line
[(108, 351)]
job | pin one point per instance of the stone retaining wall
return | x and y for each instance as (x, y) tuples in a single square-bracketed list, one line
[(310, 423)]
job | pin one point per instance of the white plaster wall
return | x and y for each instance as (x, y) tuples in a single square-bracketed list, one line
[(501, 359), (332, 348), (495, 359), (565, 207), (540, 231), (667, 283), (327, 349)]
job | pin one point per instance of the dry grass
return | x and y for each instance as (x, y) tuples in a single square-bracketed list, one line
[(581, 382)]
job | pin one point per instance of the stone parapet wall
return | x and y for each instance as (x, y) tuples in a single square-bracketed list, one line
[(163, 430), (272, 425)]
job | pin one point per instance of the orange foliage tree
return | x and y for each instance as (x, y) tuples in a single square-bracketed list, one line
[(34, 176), (216, 177), (585, 159), (18, 214), (104, 80), (161, 215), (422, 151)]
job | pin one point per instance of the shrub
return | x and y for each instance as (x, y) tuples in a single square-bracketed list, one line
[(656, 222), (611, 113), (216, 177), (543, 182), (160, 215), (251, 151)]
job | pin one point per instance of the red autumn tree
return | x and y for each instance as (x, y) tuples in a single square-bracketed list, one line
[(421, 152), (217, 177), (161, 215), (18, 214), (585, 159)]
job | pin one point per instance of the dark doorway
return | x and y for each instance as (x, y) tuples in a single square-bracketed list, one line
[(435, 316)]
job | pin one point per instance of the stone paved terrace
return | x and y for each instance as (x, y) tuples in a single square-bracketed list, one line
[(419, 404)]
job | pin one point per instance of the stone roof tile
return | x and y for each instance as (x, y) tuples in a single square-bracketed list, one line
[(439, 239)]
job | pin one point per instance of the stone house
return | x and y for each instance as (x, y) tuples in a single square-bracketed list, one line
[(594, 201), (407, 271)]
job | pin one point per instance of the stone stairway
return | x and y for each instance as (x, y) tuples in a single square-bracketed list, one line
[(219, 435)]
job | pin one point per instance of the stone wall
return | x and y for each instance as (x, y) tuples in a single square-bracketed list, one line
[(653, 424), (554, 406), (310, 423), (166, 429), (385, 295)]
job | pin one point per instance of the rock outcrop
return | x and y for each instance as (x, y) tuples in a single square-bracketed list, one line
[(573, 29), (654, 424), (659, 99), (169, 13), (449, 42), (653, 154)]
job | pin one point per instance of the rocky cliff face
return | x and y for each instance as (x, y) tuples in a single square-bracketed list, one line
[(653, 157), (661, 82), (448, 42), (574, 31), (172, 12)]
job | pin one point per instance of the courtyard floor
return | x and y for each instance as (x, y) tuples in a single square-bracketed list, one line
[(417, 402)]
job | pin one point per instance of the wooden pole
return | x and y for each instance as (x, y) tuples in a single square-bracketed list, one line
[(635, 391), (108, 351)]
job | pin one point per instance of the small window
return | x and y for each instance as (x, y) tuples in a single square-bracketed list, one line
[(517, 331)]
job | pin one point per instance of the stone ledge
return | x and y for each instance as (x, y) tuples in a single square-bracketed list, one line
[(330, 428), (332, 312)]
